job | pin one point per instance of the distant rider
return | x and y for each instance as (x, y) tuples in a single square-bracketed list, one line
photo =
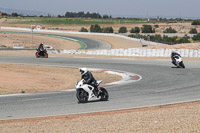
[(89, 79), (173, 55), (41, 47)]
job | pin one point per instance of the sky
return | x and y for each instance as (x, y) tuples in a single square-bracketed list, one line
[(116, 8)]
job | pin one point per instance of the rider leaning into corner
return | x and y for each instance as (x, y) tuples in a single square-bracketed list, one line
[(89, 79), (173, 54), (41, 47)]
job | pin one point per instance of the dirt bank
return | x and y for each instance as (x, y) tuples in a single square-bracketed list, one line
[(33, 79)]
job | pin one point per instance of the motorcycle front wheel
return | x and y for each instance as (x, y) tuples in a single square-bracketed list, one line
[(82, 96), (36, 55), (182, 65), (104, 94)]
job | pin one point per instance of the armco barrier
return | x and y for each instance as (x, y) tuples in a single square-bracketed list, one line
[(135, 52)]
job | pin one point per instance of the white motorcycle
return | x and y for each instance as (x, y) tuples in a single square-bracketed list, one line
[(178, 61), (84, 92)]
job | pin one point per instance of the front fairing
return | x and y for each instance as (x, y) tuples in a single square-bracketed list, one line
[(86, 87), (178, 60)]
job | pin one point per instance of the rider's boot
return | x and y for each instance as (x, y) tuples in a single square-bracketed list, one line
[(99, 92)]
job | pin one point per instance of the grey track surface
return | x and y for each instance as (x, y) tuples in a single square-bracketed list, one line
[(90, 43), (160, 85)]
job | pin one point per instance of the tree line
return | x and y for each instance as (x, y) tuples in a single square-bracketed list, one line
[(166, 39), (67, 15), (143, 29), (85, 15), (147, 29), (163, 39)]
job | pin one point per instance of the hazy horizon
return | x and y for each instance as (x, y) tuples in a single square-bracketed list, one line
[(126, 8)]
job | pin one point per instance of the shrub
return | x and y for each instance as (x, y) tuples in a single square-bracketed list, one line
[(107, 30), (196, 22), (196, 37), (184, 39), (164, 39), (193, 31), (156, 26), (170, 30), (95, 28), (147, 29), (23, 91), (83, 30), (135, 30), (122, 30), (3, 46)]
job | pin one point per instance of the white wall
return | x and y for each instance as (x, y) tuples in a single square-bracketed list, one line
[(135, 52)]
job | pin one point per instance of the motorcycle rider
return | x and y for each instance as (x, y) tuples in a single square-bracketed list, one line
[(41, 50), (173, 55), (89, 79), (41, 47)]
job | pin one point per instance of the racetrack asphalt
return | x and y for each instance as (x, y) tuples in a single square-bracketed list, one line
[(160, 85)]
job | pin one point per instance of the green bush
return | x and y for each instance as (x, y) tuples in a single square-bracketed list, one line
[(107, 30), (23, 91), (193, 31), (147, 29), (95, 28), (83, 30), (184, 39), (164, 39), (122, 30), (196, 37), (135, 30), (3, 46), (170, 30), (156, 26), (196, 22)]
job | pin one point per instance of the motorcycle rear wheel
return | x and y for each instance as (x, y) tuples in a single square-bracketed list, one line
[(46, 55), (104, 94)]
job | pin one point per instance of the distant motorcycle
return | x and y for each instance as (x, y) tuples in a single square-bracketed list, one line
[(85, 92), (42, 54), (178, 62)]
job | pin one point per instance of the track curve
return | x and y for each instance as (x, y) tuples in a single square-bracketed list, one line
[(89, 42), (160, 85)]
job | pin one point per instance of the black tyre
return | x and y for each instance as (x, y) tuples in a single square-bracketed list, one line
[(45, 55), (182, 65), (104, 94), (82, 96)]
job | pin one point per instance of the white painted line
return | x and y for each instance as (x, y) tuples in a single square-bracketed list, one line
[(126, 76)]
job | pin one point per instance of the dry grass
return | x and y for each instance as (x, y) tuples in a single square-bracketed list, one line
[(9, 40), (34, 79)]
